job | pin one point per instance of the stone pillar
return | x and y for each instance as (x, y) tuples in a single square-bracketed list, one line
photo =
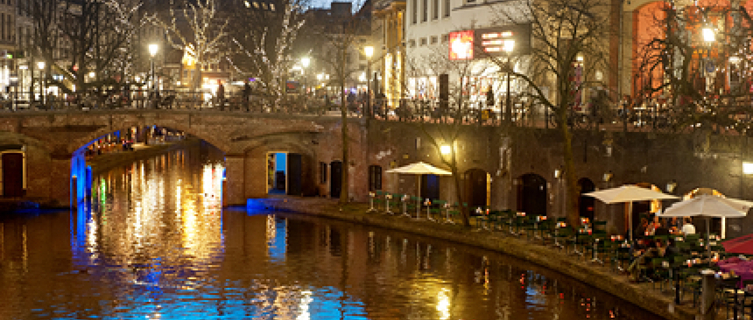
[(233, 189), (708, 296), (256, 174), (59, 176)]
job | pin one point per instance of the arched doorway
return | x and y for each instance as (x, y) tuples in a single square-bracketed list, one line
[(335, 178), (586, 204), (476, 188), (13, 174), (430, 186), (532, 195)]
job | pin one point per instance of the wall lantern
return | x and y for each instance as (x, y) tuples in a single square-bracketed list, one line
[(748, 167), (671, 186)]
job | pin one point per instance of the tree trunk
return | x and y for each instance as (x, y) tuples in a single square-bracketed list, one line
[(571, 184), (458, 194)]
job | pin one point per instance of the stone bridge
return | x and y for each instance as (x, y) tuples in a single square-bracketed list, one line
[(48, 142)]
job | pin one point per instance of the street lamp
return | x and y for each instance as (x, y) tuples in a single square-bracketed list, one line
[(445, 149), (153, 52), (508, 46), (42, 79), (369, 51)]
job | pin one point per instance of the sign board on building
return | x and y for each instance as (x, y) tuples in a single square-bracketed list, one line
[(490, 42), (461, 45)]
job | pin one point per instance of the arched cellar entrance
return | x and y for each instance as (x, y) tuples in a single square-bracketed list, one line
[(585, 203), (285, 173), (335, 179), (429, 186), (476, 188), (532, 195)]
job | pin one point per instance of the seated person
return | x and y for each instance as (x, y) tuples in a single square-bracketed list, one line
[(687, 226), (654, 250)]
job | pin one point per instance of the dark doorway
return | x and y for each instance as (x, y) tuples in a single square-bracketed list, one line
[(13, 175), (586, 204), (295, 164), (475, 188), (375, 178), (532, 195), (335, 179), (429, 186)]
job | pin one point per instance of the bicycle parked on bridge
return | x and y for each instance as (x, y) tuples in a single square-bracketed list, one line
[(576, 119)]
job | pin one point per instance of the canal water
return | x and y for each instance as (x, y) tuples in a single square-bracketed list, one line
[(152, 242)]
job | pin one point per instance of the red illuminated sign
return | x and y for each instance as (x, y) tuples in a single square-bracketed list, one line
[(461, 45)]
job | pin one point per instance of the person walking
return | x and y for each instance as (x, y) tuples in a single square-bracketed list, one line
[(489, 104), (247, 95)]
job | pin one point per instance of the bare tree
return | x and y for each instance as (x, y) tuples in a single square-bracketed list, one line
[(695, 83), (342, 39), (75, 38), (196, 28), (567, 42), (447, 120), (264, 37)]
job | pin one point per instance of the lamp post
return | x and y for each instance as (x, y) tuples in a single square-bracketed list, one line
[(153, 52), (369, 51), (305, 62), (41, 66), (508, 47), (708, 38)]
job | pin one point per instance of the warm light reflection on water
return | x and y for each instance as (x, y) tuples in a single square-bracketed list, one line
[(154, 243)]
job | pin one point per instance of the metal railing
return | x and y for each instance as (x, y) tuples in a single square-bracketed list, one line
[(646, 119)]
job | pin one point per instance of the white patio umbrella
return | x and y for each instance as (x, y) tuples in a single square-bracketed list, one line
[(629, 194), (420, 168), (708, 206)]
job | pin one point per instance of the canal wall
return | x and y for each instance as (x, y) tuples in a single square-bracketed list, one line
[(581, 269)]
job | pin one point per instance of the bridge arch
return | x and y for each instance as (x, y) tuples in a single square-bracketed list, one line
[(52, 139)]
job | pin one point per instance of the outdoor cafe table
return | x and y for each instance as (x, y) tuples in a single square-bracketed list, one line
[(742, 268)]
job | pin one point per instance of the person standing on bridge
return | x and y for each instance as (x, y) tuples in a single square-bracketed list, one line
[(220, 95), (247, 95)]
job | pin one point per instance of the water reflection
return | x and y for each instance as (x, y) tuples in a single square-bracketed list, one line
[(153, 242)]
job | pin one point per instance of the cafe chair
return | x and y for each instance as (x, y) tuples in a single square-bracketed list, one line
[(728, 294), (690, 282), (660, 272), (437, 208)]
